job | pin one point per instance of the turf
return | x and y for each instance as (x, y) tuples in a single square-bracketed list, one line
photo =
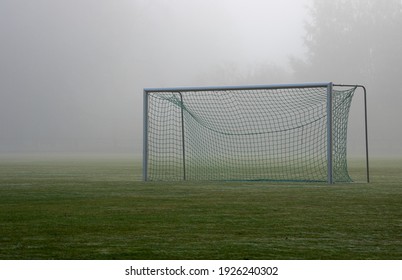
[(98, 208)]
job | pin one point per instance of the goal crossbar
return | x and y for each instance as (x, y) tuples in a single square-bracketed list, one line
[(246, 87)]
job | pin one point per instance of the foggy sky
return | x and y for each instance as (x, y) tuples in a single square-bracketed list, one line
[(72, 71)]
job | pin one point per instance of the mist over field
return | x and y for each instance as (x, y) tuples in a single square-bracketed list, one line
[(72, 71)]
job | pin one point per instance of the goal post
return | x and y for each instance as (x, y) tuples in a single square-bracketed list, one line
[(282, 132)]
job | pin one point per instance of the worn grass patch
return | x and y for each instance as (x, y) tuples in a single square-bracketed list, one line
[(97, 208)]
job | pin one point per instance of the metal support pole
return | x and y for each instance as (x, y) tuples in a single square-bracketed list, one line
[(366, 133), (182, 136), (145, 138), (329, 134)]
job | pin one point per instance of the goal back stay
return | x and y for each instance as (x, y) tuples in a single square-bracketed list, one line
[(293, 132)]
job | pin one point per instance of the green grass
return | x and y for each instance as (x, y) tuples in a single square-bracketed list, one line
[(97, 208)]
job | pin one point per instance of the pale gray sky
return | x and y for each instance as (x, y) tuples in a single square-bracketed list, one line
[(72, 71)]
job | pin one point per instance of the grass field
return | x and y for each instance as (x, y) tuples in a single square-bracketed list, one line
[(98, 208)]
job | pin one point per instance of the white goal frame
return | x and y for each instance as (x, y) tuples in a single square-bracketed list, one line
[(329, 88)]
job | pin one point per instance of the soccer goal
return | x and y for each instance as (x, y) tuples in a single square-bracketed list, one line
[(294, 132)]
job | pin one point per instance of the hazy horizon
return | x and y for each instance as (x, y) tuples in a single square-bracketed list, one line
[(72, 72)]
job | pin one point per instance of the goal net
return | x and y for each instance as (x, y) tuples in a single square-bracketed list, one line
[(274, 133)]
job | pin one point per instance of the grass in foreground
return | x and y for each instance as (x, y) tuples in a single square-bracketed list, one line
[(99, 209)]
